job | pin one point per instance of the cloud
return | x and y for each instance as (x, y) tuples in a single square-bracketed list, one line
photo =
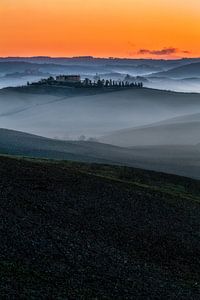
[(164, 51), (185, 51)]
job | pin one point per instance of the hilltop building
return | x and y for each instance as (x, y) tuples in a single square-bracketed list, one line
[(68, 78)]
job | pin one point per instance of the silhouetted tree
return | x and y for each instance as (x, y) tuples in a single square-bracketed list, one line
[(99, 83), (86, 82), (107, 83)]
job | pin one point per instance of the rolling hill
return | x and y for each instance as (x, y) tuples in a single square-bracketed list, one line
[(8, 67), (181, 72), (187, 85), (23, 144), (182, 130), (67, 113), (181, 160), (156, 135), (84, 231)]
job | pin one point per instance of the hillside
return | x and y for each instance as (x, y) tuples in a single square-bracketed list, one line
[(170, 146), (90, 231), (180, 160), (183, 119), (8, 67), (68, 113), (24, 144), (187, 85), (158, 134), (181, 72)]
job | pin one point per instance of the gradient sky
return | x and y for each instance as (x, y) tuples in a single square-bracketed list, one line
[(119, 28)]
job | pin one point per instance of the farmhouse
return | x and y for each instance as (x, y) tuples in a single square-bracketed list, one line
[(75, 81), (68, 78)]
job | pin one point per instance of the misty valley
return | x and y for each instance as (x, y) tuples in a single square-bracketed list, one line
[(152, 128)]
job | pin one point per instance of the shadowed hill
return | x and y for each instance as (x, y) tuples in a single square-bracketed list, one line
[(181, 160), (24, 144), (90, 231)]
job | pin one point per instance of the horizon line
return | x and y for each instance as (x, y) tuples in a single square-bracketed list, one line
[(96, 57)]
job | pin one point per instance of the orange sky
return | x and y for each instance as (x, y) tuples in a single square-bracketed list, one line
[(118, 28)]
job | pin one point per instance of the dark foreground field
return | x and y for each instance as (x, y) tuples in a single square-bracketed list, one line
[(78, 231)]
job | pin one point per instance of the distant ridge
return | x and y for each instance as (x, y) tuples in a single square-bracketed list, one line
[(181, 72)]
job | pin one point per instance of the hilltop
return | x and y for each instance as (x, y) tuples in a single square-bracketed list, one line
[(86, 231)]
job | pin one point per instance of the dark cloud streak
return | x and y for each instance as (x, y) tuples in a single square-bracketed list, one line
[(164, 51)]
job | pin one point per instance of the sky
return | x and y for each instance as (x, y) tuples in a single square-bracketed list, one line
[(101, 28)]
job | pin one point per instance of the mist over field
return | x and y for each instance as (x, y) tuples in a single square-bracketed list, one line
[(178, 75), (70, 116), (150, 127)]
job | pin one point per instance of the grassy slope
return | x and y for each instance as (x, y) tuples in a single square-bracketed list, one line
[(94, 231)]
